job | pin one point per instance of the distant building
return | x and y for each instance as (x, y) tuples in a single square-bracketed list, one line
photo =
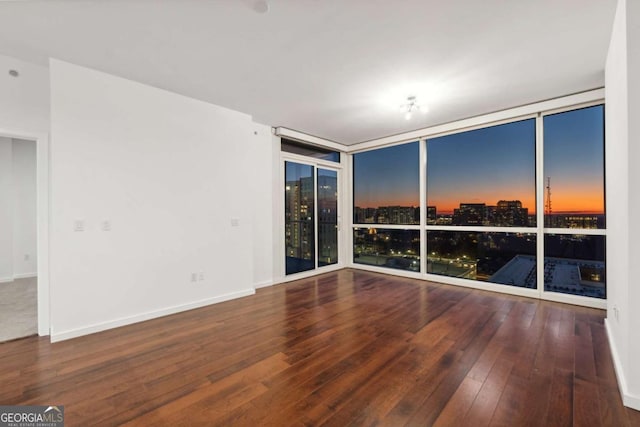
[(327, 219), (402, 214), (470, 214), (574, 221), (387, 215), (505, 213), (364, 215), (432, 215), (511, 213), (299, 196)]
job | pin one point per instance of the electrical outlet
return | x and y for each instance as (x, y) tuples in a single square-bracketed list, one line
[(201, 276), (616, 313), (194, 277), (106, 225), (78, 225)]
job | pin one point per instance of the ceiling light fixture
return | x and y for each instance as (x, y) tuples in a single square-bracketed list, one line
[(411, 106)]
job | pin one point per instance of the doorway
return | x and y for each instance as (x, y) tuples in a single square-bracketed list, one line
[(311, 216), (18, 238)]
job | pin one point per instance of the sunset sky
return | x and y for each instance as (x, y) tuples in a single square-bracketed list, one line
[(574, 159), (492, 164), (387, 177), (482, 166)]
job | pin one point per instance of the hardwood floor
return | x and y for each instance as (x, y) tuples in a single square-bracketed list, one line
[(345, 348)]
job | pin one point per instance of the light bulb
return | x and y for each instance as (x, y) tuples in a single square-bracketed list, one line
[(407, 116)]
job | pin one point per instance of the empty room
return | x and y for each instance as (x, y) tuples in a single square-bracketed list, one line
[(305, 213)]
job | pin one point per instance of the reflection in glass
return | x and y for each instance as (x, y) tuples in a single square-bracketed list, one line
[(504, 258), (574, 169), (327, 217), (575, 264), (483, 177), (299, 221), (386, 185), (309, 150), (398, 249)]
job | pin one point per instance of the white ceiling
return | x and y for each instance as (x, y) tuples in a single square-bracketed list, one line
[(337, 69)]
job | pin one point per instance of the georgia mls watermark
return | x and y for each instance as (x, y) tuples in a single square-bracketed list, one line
[(31, 416)]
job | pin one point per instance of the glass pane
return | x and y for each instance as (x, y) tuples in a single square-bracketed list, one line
[(387, 248), (299, 221), (574, 264), (483, 177), (386, 185), (504, 258), (309, 151), (327, 217), (574, 169)]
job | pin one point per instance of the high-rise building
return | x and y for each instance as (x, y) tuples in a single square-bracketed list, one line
[(574, 221), (327, 219), (431, 214), (470, 214), (299, 197), (511, 213)]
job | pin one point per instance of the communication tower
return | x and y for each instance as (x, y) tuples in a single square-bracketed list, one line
[(548, 204)]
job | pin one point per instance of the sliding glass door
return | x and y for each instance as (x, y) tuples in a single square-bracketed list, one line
[(311, 216), (299, 217), (327, 191)]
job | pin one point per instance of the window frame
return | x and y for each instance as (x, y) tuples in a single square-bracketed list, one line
[(536, 111), (279, 242), (385, 225), (551, 295), (486, 228), (420, 227)]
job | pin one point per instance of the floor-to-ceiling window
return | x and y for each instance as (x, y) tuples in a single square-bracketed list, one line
[(481, 195), (386, 207), (310, 207), (574, 214), (518, 204)]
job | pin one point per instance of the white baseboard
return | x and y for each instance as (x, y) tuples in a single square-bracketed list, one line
[(6, 279), (629, 400), (74, 333), (25, 275), (263, 284)]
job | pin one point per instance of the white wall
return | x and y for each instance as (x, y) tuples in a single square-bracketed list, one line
[(24, 209), (623, 199), (24, 104), (633, 102), (277, 209), (6, 210), (169, 173), (262, 196), (24, 113)]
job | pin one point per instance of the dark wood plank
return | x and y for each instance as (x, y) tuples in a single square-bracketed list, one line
[(344, 348), (586, 405)]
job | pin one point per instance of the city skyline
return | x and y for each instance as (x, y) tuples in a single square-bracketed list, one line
[(532, 211), (494, 163), (482, 166)]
